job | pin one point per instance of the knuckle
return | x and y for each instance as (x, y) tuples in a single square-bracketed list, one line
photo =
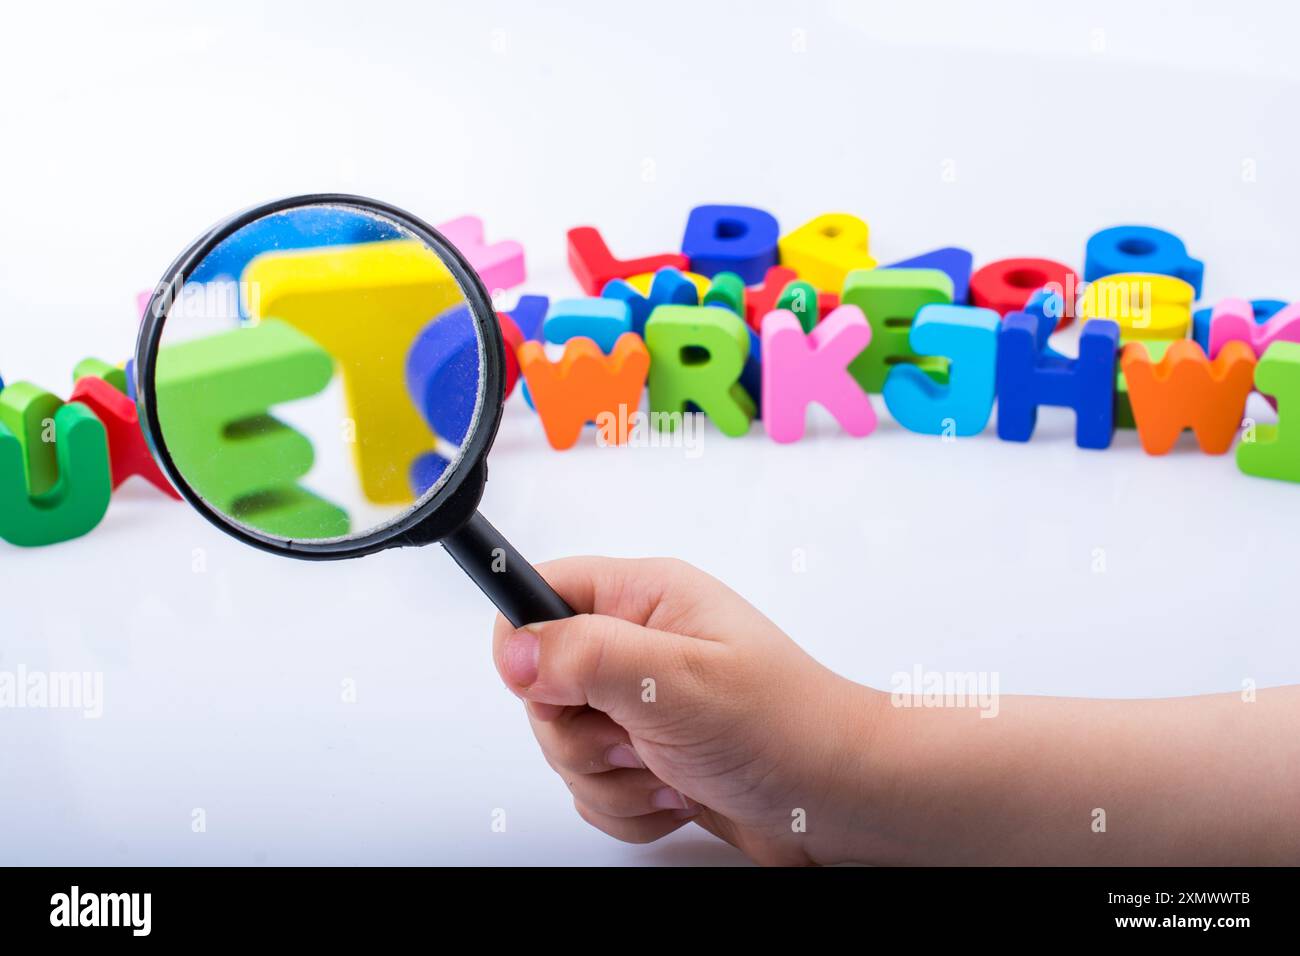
[(693, 663), (591, 639), (592, 630), (565, 648)]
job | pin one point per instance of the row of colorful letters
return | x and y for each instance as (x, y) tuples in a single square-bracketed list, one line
[(745, 323), (939, 373)]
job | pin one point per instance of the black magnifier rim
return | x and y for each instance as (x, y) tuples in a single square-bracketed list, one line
[(474, 453)]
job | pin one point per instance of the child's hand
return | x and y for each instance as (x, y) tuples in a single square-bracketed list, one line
[(673, 699)]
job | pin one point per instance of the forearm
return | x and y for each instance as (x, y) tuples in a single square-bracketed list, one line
[(1194, 780)]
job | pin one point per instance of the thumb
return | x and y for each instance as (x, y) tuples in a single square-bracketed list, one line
[(606, 663)]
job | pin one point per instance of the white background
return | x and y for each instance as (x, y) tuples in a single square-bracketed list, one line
[(128, 129)]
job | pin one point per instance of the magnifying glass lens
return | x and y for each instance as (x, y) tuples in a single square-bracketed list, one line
[(319, 373)]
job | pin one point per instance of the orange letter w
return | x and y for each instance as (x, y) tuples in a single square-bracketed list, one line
[(584, 384), (1186, 390)]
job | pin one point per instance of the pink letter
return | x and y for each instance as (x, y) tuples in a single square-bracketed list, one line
[(798, 369), (500, 265), (1233, 319)]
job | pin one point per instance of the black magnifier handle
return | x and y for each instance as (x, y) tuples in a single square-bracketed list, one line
[(509, 581)]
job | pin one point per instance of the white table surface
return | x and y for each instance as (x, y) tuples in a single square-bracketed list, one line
[(128, 132)]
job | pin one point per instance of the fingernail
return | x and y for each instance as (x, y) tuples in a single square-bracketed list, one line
[(622, 755), (519, 657), (666, 798)]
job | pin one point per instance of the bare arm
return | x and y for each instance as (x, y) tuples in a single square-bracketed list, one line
[(1194, 780), (671, 701)]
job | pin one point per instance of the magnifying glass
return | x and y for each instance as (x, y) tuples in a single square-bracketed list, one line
[(350, 405)]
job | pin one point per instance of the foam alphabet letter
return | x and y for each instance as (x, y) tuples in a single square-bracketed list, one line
[(1122, 249), (761, 299), (697, 355), (1145, 306), (594, 265), (643, 282), (1155, 350), (425, 470), (76, 497), (727, 291), (213, 394), (365, 305), (800, 298), (586, 385), (825, 250), (127, 450), (890, 299), (100, 369), (442, 373), (668, 287), (953, 260), (603, 320), (1262, 310), (1048, 307), (28, 412), (1275, 452), (739, 239), (968, 338), (1007, 284), (801, 368), (308, 228), (500, 265), (751, 379), (1234, 320), (1186, 391), (529, 313), (1027, 379), (511, 338)]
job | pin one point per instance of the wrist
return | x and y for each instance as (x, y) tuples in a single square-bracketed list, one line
[(863, 783)]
